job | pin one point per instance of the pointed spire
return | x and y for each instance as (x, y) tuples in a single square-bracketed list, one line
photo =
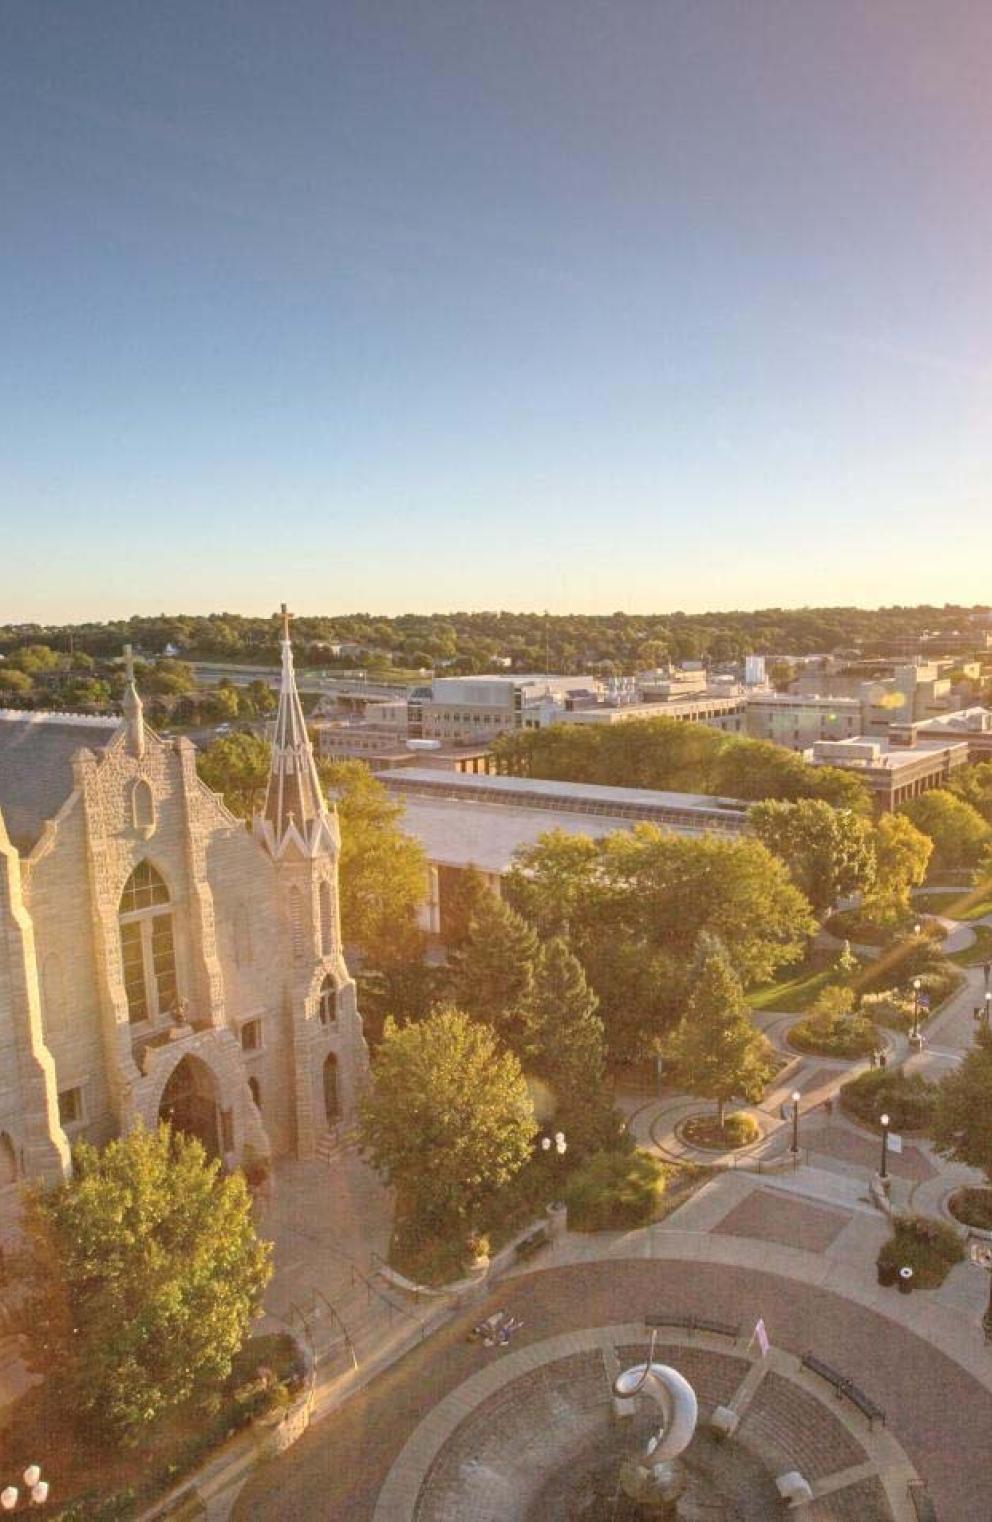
[(294, 800), (134, 714)]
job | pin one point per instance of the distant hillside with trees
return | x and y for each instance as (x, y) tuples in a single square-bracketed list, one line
[(619, 643)]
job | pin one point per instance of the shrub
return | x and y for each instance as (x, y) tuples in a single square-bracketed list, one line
[(889, 1007), (928, 1246), (741, 1129), (833, 1029), (909, 1101), (614, 1191)]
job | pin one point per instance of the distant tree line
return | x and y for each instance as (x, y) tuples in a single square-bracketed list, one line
[(470, 642)]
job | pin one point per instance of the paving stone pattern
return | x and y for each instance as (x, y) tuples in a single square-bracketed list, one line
[(783, 1420), (770, 1217), (866, 1152), (510, 1442), (863, 1502)]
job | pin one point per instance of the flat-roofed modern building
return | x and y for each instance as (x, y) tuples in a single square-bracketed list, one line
[(481, 821), (894, 772)]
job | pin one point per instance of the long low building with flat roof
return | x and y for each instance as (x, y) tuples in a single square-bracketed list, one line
[(480, 822)]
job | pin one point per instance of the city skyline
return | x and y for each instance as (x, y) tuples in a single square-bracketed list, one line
[(434, 306)]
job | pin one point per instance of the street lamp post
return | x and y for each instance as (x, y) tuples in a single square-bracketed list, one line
[(796, 1096), (988, 1006), (883, 1173), (915, 1033)]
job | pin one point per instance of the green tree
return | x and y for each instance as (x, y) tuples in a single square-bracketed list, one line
[(972, 784), (461, 894), (492, 975), (143, 1274), (449, 1119), (718, 1052), (902, 854), (35, 659), (382, 871), (564, 1034), (829, 852), (962, 1127), (959, 833), (238, 767), (15, 681)]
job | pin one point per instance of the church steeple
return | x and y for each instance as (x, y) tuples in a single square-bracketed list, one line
[(134, 714), (294, 802)]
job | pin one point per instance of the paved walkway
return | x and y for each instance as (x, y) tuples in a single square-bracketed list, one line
[(921, 1361)]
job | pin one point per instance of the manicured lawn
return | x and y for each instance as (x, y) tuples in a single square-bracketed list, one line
[(969, 904), (981, 951), (794, 991)]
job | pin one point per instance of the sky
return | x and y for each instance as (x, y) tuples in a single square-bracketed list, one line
[(571, 304)]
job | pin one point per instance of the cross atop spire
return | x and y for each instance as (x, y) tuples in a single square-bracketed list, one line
[(294, 801)]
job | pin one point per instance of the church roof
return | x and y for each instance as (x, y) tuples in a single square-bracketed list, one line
[(36, 751)]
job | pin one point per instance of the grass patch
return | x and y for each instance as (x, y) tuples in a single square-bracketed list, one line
[(928, 1246), (794, 992), (907, 1100), (980, 951), (968, 904), (620, 1191), (972, 1207)]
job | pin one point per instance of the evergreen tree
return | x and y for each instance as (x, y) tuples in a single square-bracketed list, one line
[(962, 1127), (493, 973), (717, 1049), (564, 1034)]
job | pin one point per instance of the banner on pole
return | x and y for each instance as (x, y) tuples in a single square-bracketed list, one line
[(895, 1142), (761, 1336)]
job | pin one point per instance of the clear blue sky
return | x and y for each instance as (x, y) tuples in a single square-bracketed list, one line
[(438, 304)]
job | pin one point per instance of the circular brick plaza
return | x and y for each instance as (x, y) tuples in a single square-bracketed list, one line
[(938, 1413)]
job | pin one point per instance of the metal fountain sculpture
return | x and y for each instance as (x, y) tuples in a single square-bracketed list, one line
[(656, 1478)]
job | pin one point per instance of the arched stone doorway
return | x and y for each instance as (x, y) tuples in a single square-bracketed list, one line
[(332, 1097), (189, 1104)]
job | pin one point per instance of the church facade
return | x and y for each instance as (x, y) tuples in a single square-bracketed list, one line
[(158, 958)]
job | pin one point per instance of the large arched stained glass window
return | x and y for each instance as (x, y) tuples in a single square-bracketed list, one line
[(147, 946)]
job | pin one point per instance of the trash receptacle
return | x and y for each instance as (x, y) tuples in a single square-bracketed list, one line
[(905, 1281)]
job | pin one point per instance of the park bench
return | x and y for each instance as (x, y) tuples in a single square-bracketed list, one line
[(845, 1388), (532, 1242), (922, 1503), (692, 1324)]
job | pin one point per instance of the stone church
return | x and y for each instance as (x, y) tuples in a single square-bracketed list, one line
[(159, 958)]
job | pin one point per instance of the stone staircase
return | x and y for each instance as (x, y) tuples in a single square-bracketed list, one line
[(334, 1143)]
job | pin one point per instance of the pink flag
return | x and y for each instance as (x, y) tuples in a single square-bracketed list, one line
[(761, 1334)]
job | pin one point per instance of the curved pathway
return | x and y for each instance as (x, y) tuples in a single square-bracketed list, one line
[(939, 1407)]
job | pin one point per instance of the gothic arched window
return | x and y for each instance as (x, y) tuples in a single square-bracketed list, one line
[(8, 1161), (243, 951), (53, 1007), (148, 950), (296, 924), (326, 919), (142, 806), (328, 1007)]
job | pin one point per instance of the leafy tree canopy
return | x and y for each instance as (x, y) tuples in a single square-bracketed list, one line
[(144, 1272), (449, 1119), (962, 1128), (829, 852), (959, 833)]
